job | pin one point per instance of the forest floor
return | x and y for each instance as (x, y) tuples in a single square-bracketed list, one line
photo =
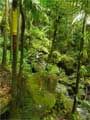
[(4, 89)]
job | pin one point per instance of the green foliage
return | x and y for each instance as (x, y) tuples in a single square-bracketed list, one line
[(3, 105), (36, 86), (68, 61), (56, 57), (87, 81), (64, 104), (83, 70), (45, 99), (76, 116), (52, 69), (48, 118), (86, 105), (61, 89)]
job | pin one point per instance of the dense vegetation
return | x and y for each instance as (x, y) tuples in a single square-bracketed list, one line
[(45, 60)]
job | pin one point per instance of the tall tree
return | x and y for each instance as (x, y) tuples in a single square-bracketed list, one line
[(84, 6), (5, 34), (22, 38), (79, 66), (14, 103), (21, 82)]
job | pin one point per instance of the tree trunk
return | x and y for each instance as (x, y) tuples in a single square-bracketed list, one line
[(15, 112), (22, 39), (21, 82), (5, 35), (79, 66)]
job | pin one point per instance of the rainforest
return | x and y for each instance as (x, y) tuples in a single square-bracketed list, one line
[(44, 59)]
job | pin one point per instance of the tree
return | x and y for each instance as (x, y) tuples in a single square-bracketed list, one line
[(22, 38), (79, 65), (5, 34), (14, 102), (85, 4)]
